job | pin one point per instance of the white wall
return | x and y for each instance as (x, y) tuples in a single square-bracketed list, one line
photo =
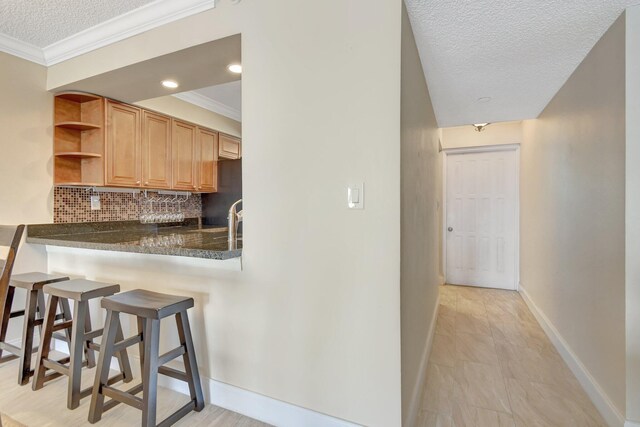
[(26, 150), (421, 185), (632, 215), (494, 134), (314, 319), (573, 213)]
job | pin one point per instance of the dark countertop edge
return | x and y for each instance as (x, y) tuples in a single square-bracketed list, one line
[(185, 252)]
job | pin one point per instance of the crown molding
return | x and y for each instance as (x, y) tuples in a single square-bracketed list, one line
[(210, 104), (144, 18), (21, 49)]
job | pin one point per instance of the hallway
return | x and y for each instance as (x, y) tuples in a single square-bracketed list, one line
[(492, 365)]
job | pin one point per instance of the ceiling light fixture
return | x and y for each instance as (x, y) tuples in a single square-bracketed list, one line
[(480, 126), (235, 68), (484, 100), (169, 84)]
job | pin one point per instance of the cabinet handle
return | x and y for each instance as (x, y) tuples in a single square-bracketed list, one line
[(138, 182), (146, 183)]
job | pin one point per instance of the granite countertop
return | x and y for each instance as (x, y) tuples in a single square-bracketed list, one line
[(179, 239)]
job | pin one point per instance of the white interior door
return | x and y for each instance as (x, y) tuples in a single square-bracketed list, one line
[(481, 219)]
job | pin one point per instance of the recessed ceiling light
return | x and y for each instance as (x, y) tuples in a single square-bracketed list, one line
[(170, 84), (235, 68), (484, 99)]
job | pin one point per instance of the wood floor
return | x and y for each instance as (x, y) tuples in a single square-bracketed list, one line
[(47, 407), (492, 365)]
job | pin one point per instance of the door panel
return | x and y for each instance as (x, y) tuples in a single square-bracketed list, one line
[(156, 150), (123, 145), (208, 161), (481, 219), (183, 147)]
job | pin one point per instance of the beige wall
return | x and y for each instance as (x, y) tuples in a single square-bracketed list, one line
[(494, 134), (632, 201), (26, 117), (175, 107), (314, 318), (573, 213), (420, 192)]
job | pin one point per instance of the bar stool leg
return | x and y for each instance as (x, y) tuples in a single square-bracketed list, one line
[(104, 360), (76, 350), (141, 328), (41, 309), (150, 372), (66, 315), (45, 342), (123, 358), (27, 337), (193, 376), (4, 323), (89, 354)]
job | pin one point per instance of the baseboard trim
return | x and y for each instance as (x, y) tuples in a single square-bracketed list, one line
[(605, 406), (245, 402), (414, 406)]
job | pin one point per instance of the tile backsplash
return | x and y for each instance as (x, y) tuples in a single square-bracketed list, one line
[(74, 205)]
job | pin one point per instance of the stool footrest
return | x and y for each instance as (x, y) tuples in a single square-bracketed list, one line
[(16, 351), (173, 373), (60, 337), (122, 345), (5, 359), (127, 397), (93, 334), (17, 313), (87, 391), (93, 346), (56, 366), (67, 324), (169, 356), (173, 418)]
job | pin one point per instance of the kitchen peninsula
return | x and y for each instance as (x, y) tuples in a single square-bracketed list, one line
[(188, 239)]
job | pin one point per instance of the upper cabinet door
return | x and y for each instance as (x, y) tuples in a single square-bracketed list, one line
[(208, 161), (230, 147), (156, 150), (123, 145), (184, 149)]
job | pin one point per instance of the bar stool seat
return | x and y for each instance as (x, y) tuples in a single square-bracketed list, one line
[(149, 308), (147, 304), (81, 292), (32, 313)]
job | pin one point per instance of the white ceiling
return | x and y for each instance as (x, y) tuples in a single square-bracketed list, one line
[(43, 22), (517, 52), (229, 94)]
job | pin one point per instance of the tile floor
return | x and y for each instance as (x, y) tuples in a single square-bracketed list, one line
[(492, 365)]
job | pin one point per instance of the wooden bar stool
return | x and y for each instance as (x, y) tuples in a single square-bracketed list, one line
[(82, 336), (150, 308), (33, 315)]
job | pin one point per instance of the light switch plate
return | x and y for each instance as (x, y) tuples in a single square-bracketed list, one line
[(355, 196), (95, 203)]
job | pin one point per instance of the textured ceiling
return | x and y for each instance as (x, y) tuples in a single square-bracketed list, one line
[(43, 22), (517, 52)]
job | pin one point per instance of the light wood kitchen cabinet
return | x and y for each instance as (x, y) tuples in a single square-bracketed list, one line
[(184, 154), (123, 145), (156, 150), (207, 161), (230, 147)]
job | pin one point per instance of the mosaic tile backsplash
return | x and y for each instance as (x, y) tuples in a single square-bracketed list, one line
[(74, 205)]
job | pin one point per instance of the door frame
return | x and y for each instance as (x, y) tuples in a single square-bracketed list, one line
[(446, 152)]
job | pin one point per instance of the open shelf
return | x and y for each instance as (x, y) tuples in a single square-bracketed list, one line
[(78, 125), (78, 97), (78, 155)]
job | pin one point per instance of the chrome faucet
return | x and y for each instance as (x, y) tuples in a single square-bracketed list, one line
[(234, 219)]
